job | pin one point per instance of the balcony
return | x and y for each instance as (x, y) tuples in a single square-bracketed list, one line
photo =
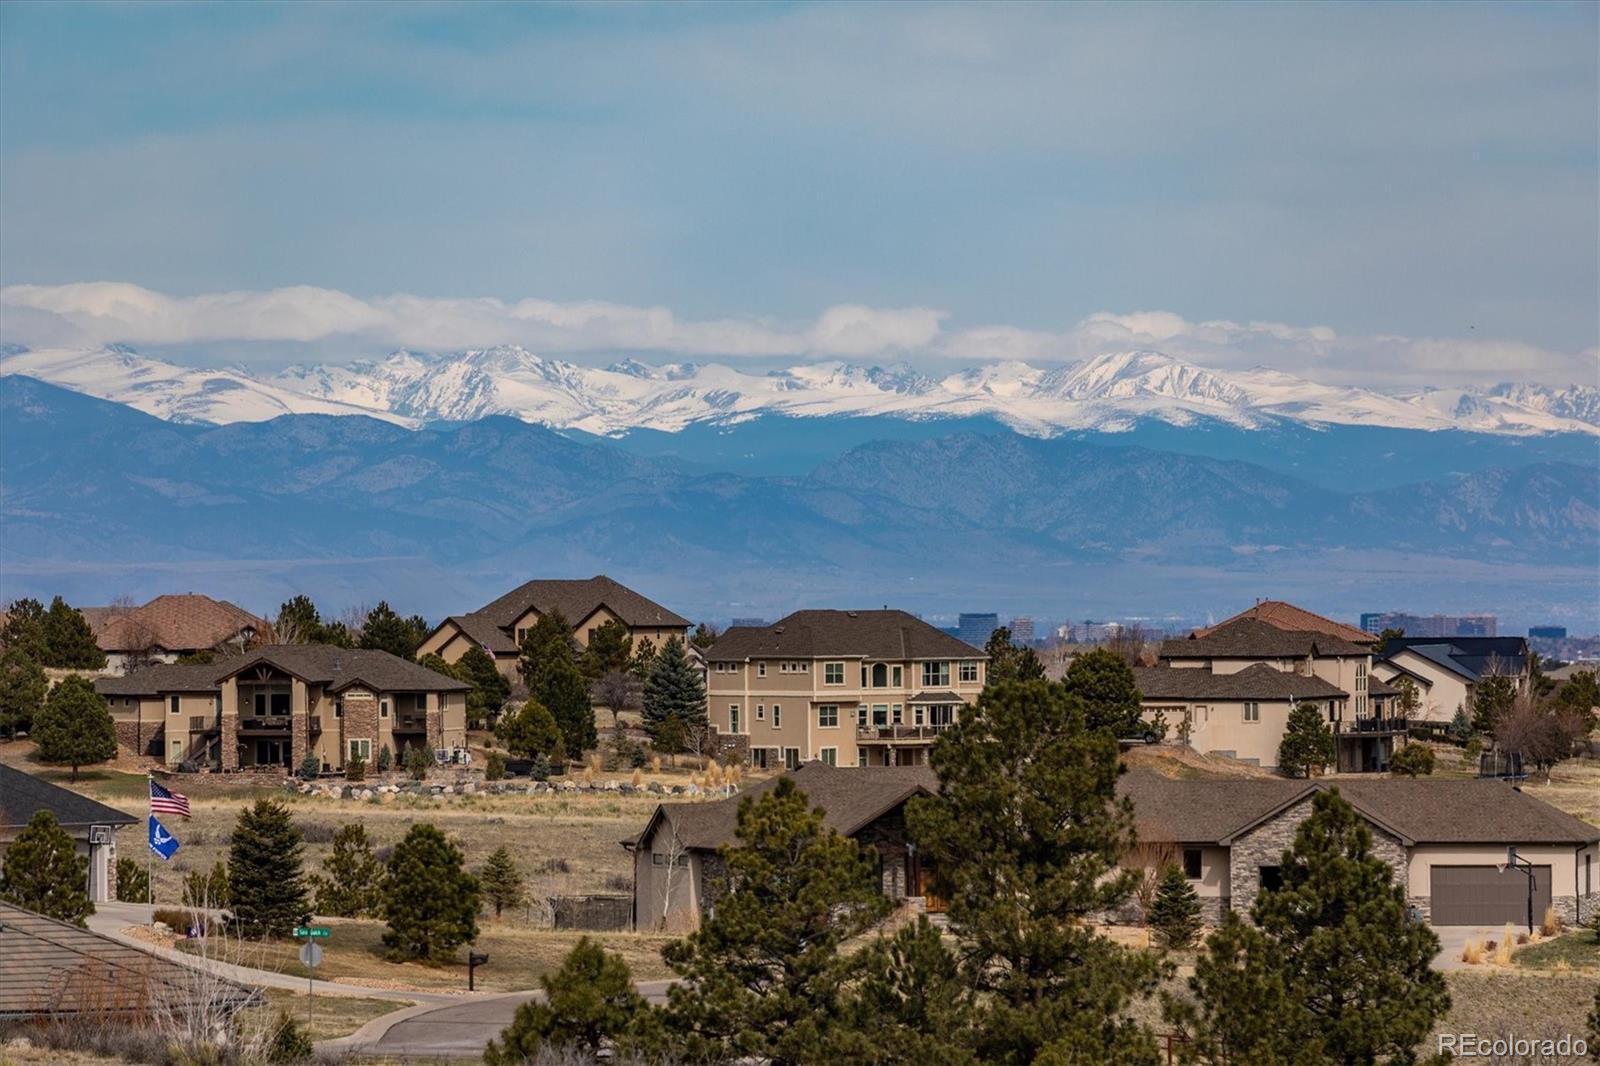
[(203, 724), (411, 724), (277, 724), (1375, 725), (898, 734)]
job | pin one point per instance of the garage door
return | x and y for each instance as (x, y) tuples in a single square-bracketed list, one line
[(1483, 895)]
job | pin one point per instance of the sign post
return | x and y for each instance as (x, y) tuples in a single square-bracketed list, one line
[(311, 958)]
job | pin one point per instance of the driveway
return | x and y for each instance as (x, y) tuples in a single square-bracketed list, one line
[(457, 1030), (1453, 938)]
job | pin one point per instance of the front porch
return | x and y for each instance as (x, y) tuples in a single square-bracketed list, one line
[(1365, 745)]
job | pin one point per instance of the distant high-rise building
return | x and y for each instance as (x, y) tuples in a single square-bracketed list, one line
[(1432, 625), (1088, 632), (1548, 632), (976, 629), (1022, 630), (755, 623)]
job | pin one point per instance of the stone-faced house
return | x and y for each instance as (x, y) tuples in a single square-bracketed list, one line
[(275, 706), (1445, 840), (586, 604), (92, 825), (677, 871)]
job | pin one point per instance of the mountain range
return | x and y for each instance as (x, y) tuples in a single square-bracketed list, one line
[(1108, 394), (99, 498)]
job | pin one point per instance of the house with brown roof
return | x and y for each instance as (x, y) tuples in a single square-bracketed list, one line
[(1228, 689), (1288, 616), (848, 688), (274, 706), (170, 627), (91, 824), (586, 604), (1446, 841), (678, 872)]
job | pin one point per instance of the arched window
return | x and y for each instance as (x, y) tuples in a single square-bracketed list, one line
[(880, 676)]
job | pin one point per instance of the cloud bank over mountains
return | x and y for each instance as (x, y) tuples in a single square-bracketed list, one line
[(346, 326)]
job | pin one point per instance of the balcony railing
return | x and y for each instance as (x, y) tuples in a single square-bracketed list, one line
[(1386, 724), (408, 724), (278, 724), (892, 733)]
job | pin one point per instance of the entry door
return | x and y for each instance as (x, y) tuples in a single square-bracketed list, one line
[(1484, 895)]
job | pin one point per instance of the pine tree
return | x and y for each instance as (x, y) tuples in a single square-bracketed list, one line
[(547, 642), (70, 641), (429, 900), (1175, 913), (763, 976), (911, 1005), (1307, 744), (384, 630), (566, 694), (704, 636), (44, 873), (298, 622), (24, 630), (74, 726), (490, 689), (501, 881), (610, 648), (1351, 953), (133, 881), (1244, 1010), (1009, 662), (207, 889), (588, 1002), (674, 689), (351, 885), (1026, 834), (1581, 693), (266, 885), (644, 657), (531, 730), (22, 689), (1104, 681), (1491, 702)]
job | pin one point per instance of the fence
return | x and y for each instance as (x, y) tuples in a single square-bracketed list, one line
[(603, 914)]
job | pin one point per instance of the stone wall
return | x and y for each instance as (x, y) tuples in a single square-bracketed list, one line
[(360, 722), (141, 738), (230, 740), (1265, 844)]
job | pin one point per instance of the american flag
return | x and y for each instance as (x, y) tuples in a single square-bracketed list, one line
[(166, 801)]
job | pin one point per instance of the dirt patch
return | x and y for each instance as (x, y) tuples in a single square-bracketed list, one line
[(1178, 760)]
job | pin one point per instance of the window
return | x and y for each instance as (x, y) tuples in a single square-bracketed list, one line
[(880, 675), (968, 673), (828, 715), (861, 715), (761, 669), (791, 758), (777, 716), (880, 714), (176, 748), (1191, 863), (383, 707), (733, 717), (800, 668), (833, 673), (861, 756), (422, 701), (761, 712), (829, 756), (898, 714), (176, 706), (361, 749), (934, 674), (863, 675), (338, 706), (522, 634), (916, 715), (261, 704), (758, 758), (941, 714), (1271, 878), (658, 859), (590, 638), (899, 680), (280, 703), (1252, 712)]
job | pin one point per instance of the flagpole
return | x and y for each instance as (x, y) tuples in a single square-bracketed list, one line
[(149, 852)]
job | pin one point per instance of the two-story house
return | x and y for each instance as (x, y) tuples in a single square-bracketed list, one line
[(1229, 689), (171, 627), (586, 604), (849, 688), (1446, 670), (275, 706)]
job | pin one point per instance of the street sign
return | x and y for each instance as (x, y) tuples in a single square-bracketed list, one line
[(311, 954), (316, 932)]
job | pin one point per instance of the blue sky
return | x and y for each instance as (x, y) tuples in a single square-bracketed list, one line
[(1418, 181)]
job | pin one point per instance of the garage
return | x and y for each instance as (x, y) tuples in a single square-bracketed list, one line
[(1486, 895)]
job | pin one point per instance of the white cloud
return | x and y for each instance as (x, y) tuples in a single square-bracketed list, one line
[(98, 313)]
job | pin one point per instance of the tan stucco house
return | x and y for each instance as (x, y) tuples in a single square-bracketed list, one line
[(1446, 670), (276, 705), (586, 604), (848, 688), (170, 627), (92, 825)]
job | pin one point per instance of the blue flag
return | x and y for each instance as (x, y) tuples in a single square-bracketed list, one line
[(162, 842)]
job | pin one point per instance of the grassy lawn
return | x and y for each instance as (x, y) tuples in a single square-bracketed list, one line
[(1578, 951), (518, 957), (331, 1016)]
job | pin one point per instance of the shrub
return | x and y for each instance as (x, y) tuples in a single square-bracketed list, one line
[(540, 771), (179, 921), (385, 759), (289, 1043), (1550, 925), (638, 757), (1175, 914), (1472, 952), (418, 761), (495, 768), (317, 832), (355, 769), (310, 768), (1413, 760), (133, 881)]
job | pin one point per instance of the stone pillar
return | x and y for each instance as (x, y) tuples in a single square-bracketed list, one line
[(360, 722), (434, 720), (228, 725), (299, 724)]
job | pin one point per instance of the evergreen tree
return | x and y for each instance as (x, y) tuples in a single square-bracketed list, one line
[(133, 881), (501, 881), (1008, 662), (1594, 1027), (299, 622), (24, 630), (566, 694), (1460, 728), (1412, 760), (1389, 633), (589, 1001), (74, 726), (1351, 954), (288, 1042), (1175, 913), (547, 642), (764, 976), (671, 736), (351, 885), (644, 657), (531, 730), (70, 641), (44, 873), (610, 648), (674, 689), (22, 690), (207, 889), (266, 885), (490, 689), (911, 1006), (1409, 701), (429, 900), (1026, 833), (1307, 744), (1103, 680), (1581, 693), (704, 636), (1491, 702), (384, 630)]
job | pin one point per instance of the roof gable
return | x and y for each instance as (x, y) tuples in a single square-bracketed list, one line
[(1251, 638), (817, 634), (1286, 615), (22, 795)]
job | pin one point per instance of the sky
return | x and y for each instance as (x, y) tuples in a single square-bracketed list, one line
[(1376, 194)]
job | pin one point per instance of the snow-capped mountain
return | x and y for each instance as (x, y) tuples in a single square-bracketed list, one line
[(1108, 393)]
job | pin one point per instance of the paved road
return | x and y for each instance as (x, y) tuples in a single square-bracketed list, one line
[(458, 1030)]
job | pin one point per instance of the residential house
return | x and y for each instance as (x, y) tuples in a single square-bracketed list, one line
[(1446, 841), (849, 688), (586, 604), (276, 705), (92, 826), (54, 971), (1285, 615), (678, 873), (170, 627), (1446, 670), (1243, 716)]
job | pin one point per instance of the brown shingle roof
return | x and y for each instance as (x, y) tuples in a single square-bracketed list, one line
[(1250, 638), (1258, 682), (578, 599), (52, 968), (158, 678), (890, 635), (1288, 616), (1199, 810), (317, 663), (22, 796), (180, 623)]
